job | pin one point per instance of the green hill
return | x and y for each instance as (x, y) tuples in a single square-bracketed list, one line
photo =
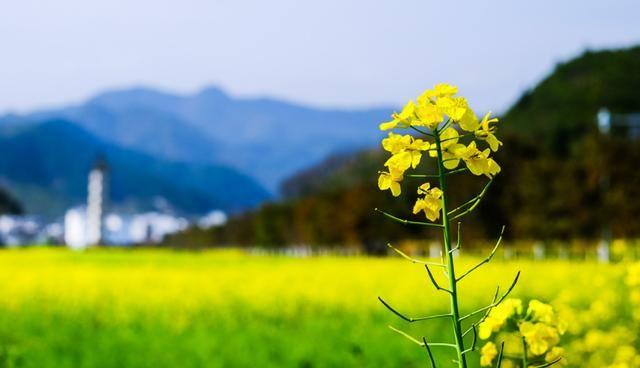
[(563, 107), (554, 162)]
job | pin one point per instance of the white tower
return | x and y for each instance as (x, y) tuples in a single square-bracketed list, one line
[(95, 202)]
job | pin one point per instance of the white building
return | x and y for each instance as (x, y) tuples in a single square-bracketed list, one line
[(75, 228), (95, 202)]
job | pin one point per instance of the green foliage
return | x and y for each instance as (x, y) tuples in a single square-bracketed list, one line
[(562, 108), (553, 163)]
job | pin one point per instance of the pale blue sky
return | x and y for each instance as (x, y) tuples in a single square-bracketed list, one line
[(324, 53)]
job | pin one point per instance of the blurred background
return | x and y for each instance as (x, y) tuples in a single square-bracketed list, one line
[(247, 133)]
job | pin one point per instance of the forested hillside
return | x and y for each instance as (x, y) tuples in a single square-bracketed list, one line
[(554, 166)]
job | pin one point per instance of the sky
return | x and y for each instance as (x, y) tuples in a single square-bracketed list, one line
[(329, 53)]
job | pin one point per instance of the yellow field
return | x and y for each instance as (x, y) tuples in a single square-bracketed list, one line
[(154, 308)]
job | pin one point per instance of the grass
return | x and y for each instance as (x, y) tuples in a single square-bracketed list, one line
[(156, 308)]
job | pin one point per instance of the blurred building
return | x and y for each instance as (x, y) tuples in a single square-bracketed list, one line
[(18, 230), (75, 228), (212, 219), (90, 224), (144, 228), (95, 202)]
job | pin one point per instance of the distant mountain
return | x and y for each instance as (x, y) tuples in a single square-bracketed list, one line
[(46, 164), (264, 138)]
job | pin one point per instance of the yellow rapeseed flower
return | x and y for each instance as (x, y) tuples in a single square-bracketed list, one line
[(431, 203), (403, 119), (554, 354), (391, 182), (487, 353), (539, 337), (486, 132), (541, 312), (440, 90), (450, 148), (478, 162), (396, 143), (499, 316), (428, 115)]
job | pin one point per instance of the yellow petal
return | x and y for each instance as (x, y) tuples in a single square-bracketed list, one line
[(395, 189), (423, 188), (384, 181), (493, 142), (469, 121), (450, 165), (418, 206), (416, 156), (389, 125), (449, 137)]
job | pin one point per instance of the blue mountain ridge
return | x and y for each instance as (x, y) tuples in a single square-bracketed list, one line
[(267, 139), (45, 164)]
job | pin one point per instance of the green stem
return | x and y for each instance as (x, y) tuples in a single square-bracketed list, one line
[(453, 295), (525, 362)]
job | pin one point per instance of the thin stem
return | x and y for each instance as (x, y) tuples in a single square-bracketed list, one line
[(500, 355), (444, 344), (464, 205), (426, 345), (525, 362), (434, 176), (413, 260), (420, 131), (486, 314), (458, 239), (477, 201), (548, 364), (458, 137), (445, 125), (411, 338), (486, 260), (457, 171), (474, 342), (496, 303), (455, 312), (423, 176), (407, 222), (410, 319), (435, 283)]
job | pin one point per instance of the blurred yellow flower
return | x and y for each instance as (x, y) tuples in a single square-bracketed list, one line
[(554, 354), (541, 312), (487, 354), (498, 317), (539, 337)]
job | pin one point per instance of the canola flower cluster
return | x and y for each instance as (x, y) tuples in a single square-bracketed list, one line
[(430, 110), (443, 120), (539, 328)]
